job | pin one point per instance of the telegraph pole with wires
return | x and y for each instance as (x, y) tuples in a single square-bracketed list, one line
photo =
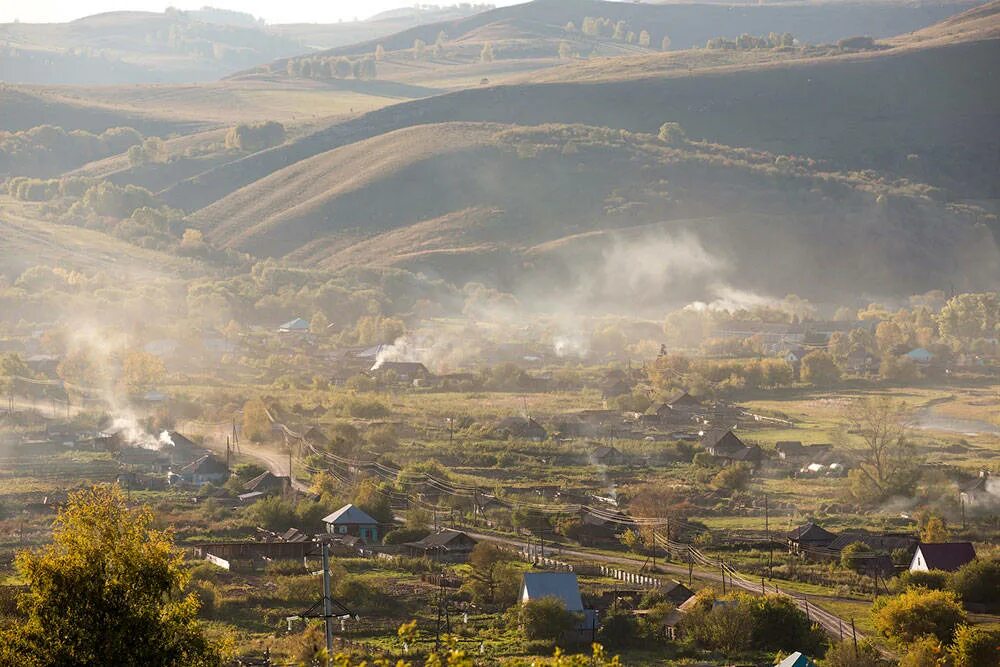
[(331, 609), (443, 613)]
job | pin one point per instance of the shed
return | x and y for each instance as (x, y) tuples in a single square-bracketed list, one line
[(560, 585), (445, 544)]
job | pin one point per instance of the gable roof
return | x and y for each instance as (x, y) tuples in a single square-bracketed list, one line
[(349, 514), (681, 399), (560, 585), (796, 660), (948, 556), (877, 541), (441, 539), (789, 446), (298, 324), (401, 367), (722, 440), (206, 465), (604, 452), (810, 532), (266, 481)]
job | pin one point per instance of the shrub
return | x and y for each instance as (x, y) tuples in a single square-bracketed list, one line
[(917, 613), (935, 580), (843, 654), (404, 535), (779, 625), (732, 478), (976, 647), (546, 618), (274, 514), (255, 136), (978, 582), (618, 630)]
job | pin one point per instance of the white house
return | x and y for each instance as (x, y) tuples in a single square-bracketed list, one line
[(298, 325), (947, 556)]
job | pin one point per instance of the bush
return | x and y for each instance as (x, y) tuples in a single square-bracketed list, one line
[(618, 630), (918, 613), (843, 654), (975, 647), (778, 625), (274, 514), (935, 580), (546, 618), (404, 535), (978, 582), (255, 136), (732, 478)]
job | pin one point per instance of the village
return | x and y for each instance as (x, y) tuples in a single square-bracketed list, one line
[(630, 494)]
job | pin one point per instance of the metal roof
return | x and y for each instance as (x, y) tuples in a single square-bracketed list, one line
[(560, 585), (349, 514)]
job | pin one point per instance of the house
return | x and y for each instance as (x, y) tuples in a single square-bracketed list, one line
[(676, 592), (447, 544), (883, 543), (983, 492), (861, 362), (789, 449), (673, 619), (522, 427), (683, 401), (405, 371), (607, 456), (296, 326), (350, 520), (726, 446), (267, 484), (808, 538), (614, 388), (143, 459), (947, 556), (795, 355), (564, 587), (205, 470), (920, 355), (796, 659)]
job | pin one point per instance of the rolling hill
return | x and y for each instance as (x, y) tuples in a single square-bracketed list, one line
[(925, 109), (558, 207)]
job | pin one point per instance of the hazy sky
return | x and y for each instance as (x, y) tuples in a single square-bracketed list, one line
[(272, 11)]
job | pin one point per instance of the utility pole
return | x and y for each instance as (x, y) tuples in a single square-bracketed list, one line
[(228, 447), (854, 634), (327, 606), (770, 543)]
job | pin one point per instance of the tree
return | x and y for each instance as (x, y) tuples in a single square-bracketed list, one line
[(969, 316), (489, 565), (925, 652), (274, 513), (620, 30), (486, 55), (854, 555), (888, 464), (779, 625), (442, 36), (978, 582), (565, 50), (665, 43), (672, 134), (318, 323), (732, 478), (644, 39), (546, 618), (106, 591), (141, 370), (570, 27), (819, 368), (918, 613), (372, 501), (256, 423), (935, 530), (379, 53), (12, 366), (419, 47)]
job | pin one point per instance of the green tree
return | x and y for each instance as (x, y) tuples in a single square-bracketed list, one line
[(854, 556), (918, 613), (274, 513), (105, 592), (978, 582), (374, 502), (819, 368), (491, 572), (546, 618)]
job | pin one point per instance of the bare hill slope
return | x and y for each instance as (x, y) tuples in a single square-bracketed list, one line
[(518, 207)]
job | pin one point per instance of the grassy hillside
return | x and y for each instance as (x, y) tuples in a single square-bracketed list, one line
[(688, 25), (926, 111), (563, 206), (22, 108), (128, 47)]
